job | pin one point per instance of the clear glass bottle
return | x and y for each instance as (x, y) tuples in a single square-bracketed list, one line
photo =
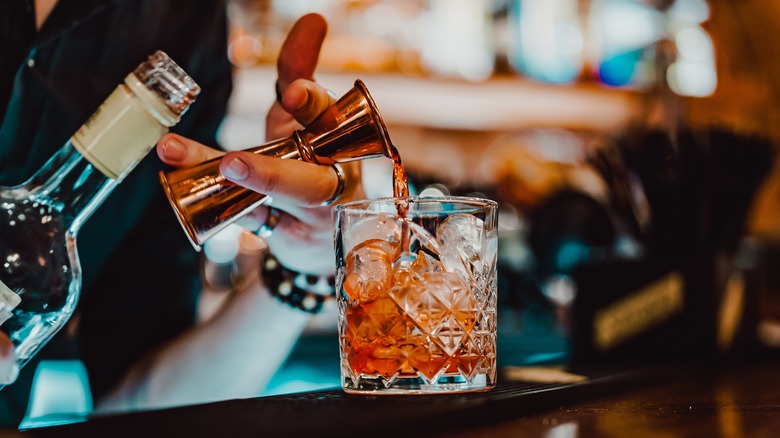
[(40, 275)]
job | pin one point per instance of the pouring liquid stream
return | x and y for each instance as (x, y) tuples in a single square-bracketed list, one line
[(401, 193)]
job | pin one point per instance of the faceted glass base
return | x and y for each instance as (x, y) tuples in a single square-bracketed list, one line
[(416, 385)]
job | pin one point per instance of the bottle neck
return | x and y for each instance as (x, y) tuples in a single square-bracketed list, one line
[(71, 185), (109, 145), (123, 130)]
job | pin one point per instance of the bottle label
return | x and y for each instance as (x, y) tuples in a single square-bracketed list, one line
[(8, 302), (639, 311), (119, 134)]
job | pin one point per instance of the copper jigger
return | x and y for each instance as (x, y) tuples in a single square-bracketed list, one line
[(205, 202)]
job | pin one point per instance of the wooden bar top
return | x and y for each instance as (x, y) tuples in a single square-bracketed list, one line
[(731, 401), (737, 401)]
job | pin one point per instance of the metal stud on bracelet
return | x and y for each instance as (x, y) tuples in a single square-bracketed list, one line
[(301, 291)]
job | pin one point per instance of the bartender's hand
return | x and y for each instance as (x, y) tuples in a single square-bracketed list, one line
[(8, 366), (303, 237)]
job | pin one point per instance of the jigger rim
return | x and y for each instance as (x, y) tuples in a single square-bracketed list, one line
[(360, 85), (192, 234)]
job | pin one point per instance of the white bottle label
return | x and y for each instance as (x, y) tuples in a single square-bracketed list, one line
[(119, 134), (8, 302)]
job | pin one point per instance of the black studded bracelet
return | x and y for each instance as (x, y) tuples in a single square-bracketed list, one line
[(301, 291)]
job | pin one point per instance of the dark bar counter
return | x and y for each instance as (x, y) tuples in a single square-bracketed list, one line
[(731, 401), (334, 413)]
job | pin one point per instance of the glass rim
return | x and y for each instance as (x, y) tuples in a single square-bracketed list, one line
[(468, 200)]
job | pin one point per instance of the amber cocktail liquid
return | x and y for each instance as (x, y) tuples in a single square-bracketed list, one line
[(417, 281)]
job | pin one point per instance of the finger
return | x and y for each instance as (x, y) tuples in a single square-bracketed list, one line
[(303, 101), (290, 232), (6, 346), (319, 216), (279, 123), (303, 228), (316, 217), (301, 50), (306, 100), (291, 181), (178, 151), (9, 370)]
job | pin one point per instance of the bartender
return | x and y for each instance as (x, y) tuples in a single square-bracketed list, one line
[(135, 327)]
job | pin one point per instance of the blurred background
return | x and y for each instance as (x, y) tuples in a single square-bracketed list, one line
[(546, 106), (524, 101)]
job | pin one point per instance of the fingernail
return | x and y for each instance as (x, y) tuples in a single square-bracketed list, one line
[(6, 347), (173, 150), (236, 170)]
